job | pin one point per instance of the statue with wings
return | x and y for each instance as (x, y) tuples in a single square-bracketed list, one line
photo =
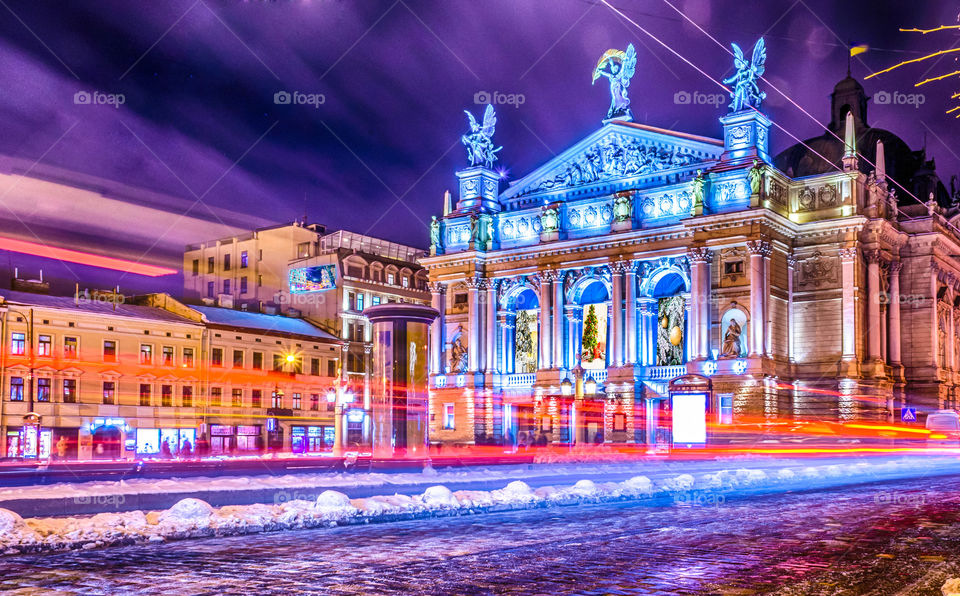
[(746, 93), (618, 66), (479, 141)]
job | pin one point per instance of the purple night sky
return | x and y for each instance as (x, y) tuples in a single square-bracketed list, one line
[(199, 79)]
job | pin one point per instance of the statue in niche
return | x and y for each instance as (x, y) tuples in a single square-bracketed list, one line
[(458, 355), (731, 340), (621, 207)]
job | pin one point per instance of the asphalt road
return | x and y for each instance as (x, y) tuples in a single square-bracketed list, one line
[(881, 538)]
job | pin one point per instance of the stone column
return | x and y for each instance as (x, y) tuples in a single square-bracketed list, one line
[(505, 328), (791, 267), (700, 258), (473, 324), (490, 327), (767, 309), (648, 335), (757, 249), (873, 304), (630, 320), (557, 314), (574, 316), (951, 333), (893, 313), (616, 313), (438, 301), (546, 310), (848, 305)]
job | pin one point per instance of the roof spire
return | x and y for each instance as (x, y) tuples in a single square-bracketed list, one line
[(881, 162), (849, 144)]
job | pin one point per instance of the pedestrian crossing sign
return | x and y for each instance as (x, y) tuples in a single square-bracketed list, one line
[(908, 414)]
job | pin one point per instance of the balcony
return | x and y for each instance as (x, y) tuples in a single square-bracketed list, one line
[(665, 373), (520, 380)]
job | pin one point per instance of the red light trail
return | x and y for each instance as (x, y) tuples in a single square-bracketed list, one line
[(82, 258)]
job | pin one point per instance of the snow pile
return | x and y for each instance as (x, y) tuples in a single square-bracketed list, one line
[(331, 502), (951, 587), (187, 510), (439, 496)]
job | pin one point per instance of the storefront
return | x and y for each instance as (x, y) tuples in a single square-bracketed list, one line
[(166, 442), (31, 442), (223, 439), (249, 438), (312, 439)]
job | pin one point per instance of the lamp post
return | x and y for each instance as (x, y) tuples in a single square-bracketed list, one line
[(31, 419)]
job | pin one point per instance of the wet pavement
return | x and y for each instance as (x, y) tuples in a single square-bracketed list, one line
[(883, 538)]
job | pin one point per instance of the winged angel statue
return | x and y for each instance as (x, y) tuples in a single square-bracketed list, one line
[(479, 141), (746, 92), (618, 66)]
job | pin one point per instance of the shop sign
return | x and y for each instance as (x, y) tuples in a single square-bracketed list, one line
[(219, 430)]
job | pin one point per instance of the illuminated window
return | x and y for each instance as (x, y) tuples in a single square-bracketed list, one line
[(726, 408), (69, 391), (448, 417), (405, 281), (237, 398), (109, 351), (216, 393), (196, 267), (43, 389), (276, 399), (243, 260), (256, 397), (391, 279), (360, 302), (619, 422), (109, 396), (44, 345), (258, 361), (375, 300), (238, 359), (216, 356), (303, 250), (146, 354), (188, 357), (166, 395), (297, 401), (243, 284), (69, 347), (314, 401), (226, 262), (18, 344), (145, 394), (16, 388), (167, 356), (187, 394), (211, 264)]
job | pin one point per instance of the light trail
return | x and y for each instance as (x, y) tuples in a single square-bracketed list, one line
[(83, 258)]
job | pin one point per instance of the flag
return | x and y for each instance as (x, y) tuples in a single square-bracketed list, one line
[(856, 50)]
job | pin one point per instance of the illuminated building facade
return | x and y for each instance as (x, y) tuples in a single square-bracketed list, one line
[(802, 286), (152, 377)]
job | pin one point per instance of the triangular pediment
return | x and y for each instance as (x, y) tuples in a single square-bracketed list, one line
[(618, 154)]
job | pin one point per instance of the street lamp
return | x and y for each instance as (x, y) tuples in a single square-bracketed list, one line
[(566, 387), (590, 386)]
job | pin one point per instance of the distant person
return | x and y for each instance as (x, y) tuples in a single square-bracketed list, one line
[(165, 450), (186, 450), (62, 448)]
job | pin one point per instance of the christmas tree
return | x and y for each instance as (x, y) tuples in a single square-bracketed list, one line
[(525, 349), (589, 348)]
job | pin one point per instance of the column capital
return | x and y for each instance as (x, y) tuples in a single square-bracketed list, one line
[(550, 276), (792, 261), (895, 267), (474, 282), (759, 247), (699, 254), (367, 348), (437, 287), (848, 254), (633, 267), (618, 267), (872, 256)]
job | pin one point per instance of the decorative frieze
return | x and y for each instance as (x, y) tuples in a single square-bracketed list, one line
[(818, 270)]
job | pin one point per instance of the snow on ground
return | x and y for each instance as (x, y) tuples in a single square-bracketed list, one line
[(193, 517)]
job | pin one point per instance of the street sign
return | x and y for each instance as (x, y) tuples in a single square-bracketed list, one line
[(908, 414)]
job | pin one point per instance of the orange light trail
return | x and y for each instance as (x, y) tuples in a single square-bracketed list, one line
[(82, 258)]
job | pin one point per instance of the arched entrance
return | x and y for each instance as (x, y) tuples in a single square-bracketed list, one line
[(520, 322), (107, 443), (589, 317)]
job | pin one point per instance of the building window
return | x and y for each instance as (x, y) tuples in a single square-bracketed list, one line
[(391, 278), (259, 280), (303, 250), (215, 394), (109, 390), (733, 268), (167, 356), (460, 299), (351, 301), (226, 262), (166, 395), (69, 347), (196, 267), (211, 288), (237, 398), (187, 394), (188, 357), (375, 300), (146, 354), (331, 368), (243, 284), (226, 286), (216, 356), (619, 422), (69, 391), (144, 394), (258, 361), (448, 417), (405, 281), (360, 302), (278, 362), (244, 261), (43, 389), (297, 401), (18, 344), (314, 402), (211, 264), (315, 367), (16, 388), (726, 408), (298, 365), (238, 359), (109, 351), (276, 399), (256, 398), (44, 345)]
